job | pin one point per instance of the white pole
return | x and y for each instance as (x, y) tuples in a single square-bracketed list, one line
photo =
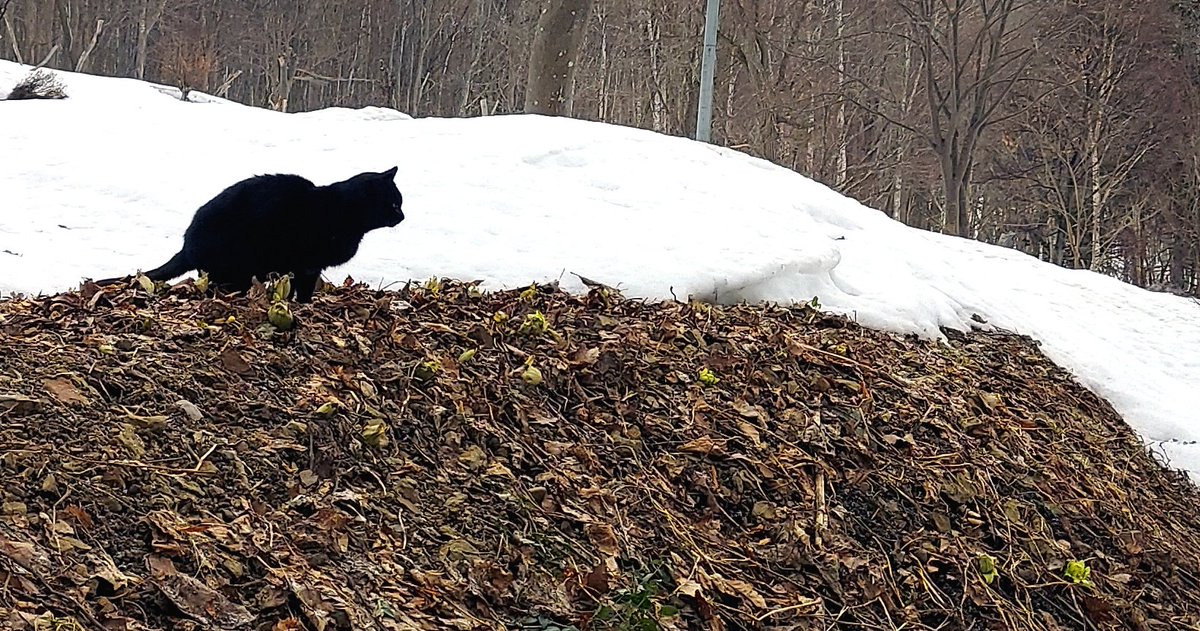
[(708, 62)]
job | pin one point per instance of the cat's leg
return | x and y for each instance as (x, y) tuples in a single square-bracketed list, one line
[(304, 284)]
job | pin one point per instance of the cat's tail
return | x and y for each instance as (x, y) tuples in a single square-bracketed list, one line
[(177, 266)]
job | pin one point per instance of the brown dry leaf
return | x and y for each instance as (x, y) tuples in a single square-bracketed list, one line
[(159, 566), (750, 432), (459, 549), (64, 391), (194, 598), (234, 362), (704, 445), (805, 605), (473, 458), (584, 357), (106, 569), (190, 409), (308, 478), (603, 537), (498, 470), (735, 587), (27, 555), (749, 411), (19, 405), (602, 578), (990, 401), (688, 587), (14, 508), (80, 515), (25, 621), (764, 510), (67, 544)]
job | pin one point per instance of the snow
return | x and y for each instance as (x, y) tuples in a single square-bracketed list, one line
[(103, 184)]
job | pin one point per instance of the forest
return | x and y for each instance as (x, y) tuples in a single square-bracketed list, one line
[(1064, 129)]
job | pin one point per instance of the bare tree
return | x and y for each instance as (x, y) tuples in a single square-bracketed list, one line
[(971, 57)]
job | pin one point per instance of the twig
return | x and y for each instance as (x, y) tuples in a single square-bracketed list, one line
[(822, 519), (208, 453), (137, 464), (846, 361), (775, 612)]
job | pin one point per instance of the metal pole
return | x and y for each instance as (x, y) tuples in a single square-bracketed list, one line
[(708, 62)]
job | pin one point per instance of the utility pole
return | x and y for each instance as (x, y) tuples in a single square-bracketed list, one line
[(708, 62)]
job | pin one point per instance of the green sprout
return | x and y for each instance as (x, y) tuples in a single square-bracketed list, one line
[(426, 370), (987, 567), (1079, 573), (534, 324)]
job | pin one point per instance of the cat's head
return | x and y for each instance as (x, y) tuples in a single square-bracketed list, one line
[(383, 201)]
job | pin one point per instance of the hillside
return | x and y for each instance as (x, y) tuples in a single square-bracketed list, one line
[(174, 462), (514, 199)]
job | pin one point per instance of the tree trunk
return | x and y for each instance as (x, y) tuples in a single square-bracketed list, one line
[(152, 11), (1178, 262), (552, 60), (658, 105), (956, 178), (951, 212), (63, 9), (841, 166)]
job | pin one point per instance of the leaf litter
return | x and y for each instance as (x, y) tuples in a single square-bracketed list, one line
[(171, 460)]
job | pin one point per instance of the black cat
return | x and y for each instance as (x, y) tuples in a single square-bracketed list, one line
[(279, 224)]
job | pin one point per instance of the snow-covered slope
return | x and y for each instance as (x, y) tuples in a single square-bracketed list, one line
[(104, 182)]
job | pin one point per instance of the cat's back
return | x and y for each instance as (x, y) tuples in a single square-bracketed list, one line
[(260, 194)]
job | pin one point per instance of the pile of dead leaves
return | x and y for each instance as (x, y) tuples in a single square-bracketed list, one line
[(438, 458)]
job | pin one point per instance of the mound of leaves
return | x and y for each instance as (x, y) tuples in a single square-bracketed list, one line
[(438, 458)]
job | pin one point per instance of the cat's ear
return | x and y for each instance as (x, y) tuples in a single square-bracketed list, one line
[(390, 173)]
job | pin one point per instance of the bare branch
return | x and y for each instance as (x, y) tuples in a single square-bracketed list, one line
[(82, 63), (45, 60)]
